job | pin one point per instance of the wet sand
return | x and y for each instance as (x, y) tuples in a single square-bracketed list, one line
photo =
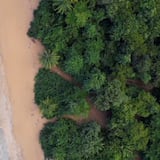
[(20, 60), (8, 147)]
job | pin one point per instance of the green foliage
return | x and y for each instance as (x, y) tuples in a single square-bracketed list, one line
[(156, 71), (127, 132), (111, 95), (94, 47), (74, 64), (153, 151), (91, 133), (43, 21), (143, 68), (101, 44), (123, 73), (79, 16), (145, 104), (77, 104), (94, 80), (49, 59), (64, 140), (48, 108), (62, 6), (43, 86), (55, 138), (126, 140), (63, 97), (122, 33)]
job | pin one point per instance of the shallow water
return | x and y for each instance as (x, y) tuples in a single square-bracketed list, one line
[(8, 147), (3, 147)]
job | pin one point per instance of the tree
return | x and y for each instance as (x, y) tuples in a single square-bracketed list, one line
[(49, 59), (49, 108), (58, 97), (94, 80), (65, 140), (153, 150), (110, 96), (156, 71), (74, 64), (55, 138), (127, 138), (62, 6), (93, 51), (79, 16), (145, 104), (76, 103), (143, 67)]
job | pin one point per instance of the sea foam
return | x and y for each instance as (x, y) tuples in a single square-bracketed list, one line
[(9, 150)]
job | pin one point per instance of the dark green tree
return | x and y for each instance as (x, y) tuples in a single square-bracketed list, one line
[(64, 140), (110, 96), (94, 80), (49, 108), (153, 150), (66, 98), (49, 59)]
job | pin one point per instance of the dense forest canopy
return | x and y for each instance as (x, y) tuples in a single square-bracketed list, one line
[(57, 97), (68, 141), (112, 51)]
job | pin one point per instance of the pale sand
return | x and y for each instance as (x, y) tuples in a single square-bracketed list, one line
[(20, 58)]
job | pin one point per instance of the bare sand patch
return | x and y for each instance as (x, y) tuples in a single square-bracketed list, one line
[(20, 58)]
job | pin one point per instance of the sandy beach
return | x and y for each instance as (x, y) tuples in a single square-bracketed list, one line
[(20, 60), (9, 149)]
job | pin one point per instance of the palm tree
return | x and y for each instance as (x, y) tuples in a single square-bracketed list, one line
[(49, 108), (49, 59), (62, 6)]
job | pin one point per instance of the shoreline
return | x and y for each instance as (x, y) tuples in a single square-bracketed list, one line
[(20, 58), (9, 149)]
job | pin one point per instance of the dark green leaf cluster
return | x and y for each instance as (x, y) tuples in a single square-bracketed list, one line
[(131, 126), (56, 96), (64, 140), (112, 95), (153, 150)]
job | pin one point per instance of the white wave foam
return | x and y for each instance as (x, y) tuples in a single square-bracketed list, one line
[(9, 150)]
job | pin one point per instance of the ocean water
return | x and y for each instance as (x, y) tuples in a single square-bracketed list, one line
[(3, 147), (9, 150)]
